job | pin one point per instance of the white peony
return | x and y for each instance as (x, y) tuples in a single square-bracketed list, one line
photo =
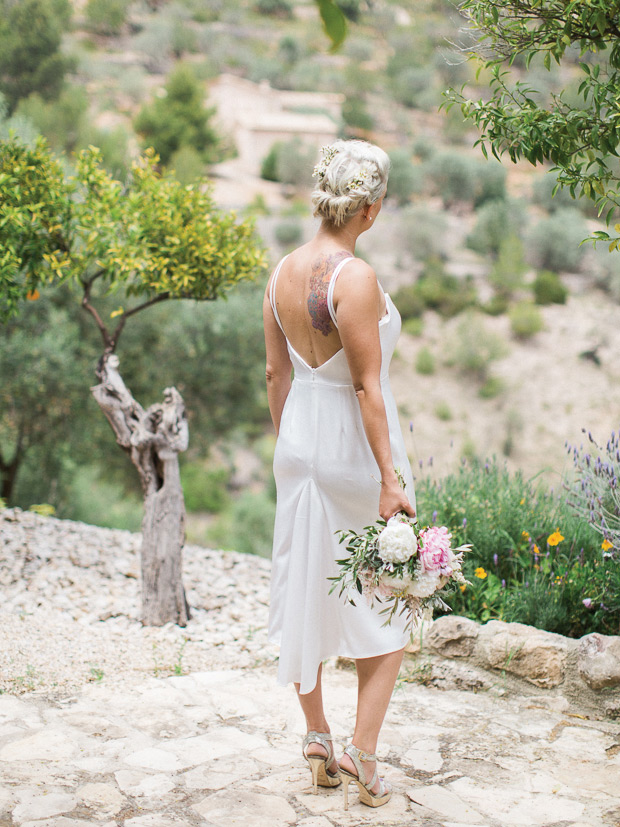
[(397, 542), (425, 584)]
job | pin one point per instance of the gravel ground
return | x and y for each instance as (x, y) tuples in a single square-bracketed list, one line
[(71, 606)]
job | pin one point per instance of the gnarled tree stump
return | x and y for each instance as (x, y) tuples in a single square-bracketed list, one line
[(153, 439)]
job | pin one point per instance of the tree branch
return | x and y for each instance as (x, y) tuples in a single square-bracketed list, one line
[(126, 314), (160, 298), (88, 283), (107, 341)]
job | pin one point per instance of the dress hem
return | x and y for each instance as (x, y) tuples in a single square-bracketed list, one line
[(339, 654)]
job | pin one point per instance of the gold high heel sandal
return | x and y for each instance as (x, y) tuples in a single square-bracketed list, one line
[(319, 763), (365, 789)]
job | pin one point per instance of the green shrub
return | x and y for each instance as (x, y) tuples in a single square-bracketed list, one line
[(405, 178), (443, 411), (424, 147), (414, 326), (269, 164), (553, 243), (62, 121), (507, 271), (493, 386), (275, 8), (409, 303), (106, 16), (425, 362), (247, 526), (548, 288), (435, 290), (453, 176), (204, 489), (414, 86), (97, 501), (288, 233), (423, 232), (497, 305), (490, 182), (289, 162), (516, 575), (525, 320), (187, 164), (440, 291), (356, 115), (495, 220), (473, 347), (180, 118)]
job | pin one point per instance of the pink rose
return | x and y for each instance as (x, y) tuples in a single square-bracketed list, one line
[(435, 553)]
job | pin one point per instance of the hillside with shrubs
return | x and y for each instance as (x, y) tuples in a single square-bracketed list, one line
[(511, 324)]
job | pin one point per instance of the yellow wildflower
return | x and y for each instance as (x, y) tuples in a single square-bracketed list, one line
[(525, 535), (462, 587), (535, 549), (555, 538), (606, 545), (522, 503), (480, 572)]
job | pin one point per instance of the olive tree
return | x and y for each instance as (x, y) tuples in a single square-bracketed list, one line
[(579, 135), (144, 242)]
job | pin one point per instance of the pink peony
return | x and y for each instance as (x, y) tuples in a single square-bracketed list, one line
[(435, 554)]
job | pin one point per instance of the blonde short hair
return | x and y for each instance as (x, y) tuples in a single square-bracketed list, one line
[(350, 175)]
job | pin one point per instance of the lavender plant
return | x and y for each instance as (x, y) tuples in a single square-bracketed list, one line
[(595, 494)]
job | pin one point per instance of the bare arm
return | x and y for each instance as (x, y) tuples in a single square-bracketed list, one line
[(278, 368), (357, 303)]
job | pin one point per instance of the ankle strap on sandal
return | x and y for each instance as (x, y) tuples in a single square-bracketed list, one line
[(360, 754), (321, 738), (357, 756)]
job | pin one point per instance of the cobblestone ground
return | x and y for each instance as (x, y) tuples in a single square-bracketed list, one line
[(222, 748)]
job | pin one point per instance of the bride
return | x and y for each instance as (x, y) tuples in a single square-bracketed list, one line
[(329, 324)]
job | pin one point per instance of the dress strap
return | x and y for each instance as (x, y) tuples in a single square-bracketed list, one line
[(330, 289), (272, 293)]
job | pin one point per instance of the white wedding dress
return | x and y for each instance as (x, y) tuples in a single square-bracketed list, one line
[(327, 480)]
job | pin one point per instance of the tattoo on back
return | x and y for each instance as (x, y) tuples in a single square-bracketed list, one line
[(322, 270)]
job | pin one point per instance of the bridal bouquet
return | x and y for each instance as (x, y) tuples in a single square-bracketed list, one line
[(400, 565)]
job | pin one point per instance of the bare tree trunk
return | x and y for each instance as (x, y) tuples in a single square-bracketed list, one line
[(8, 476), (153, 439)]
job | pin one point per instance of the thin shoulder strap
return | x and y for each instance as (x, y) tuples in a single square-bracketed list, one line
[(272, 292), (330, 289)]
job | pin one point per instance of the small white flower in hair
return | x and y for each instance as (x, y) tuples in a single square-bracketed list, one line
[(329, 153), (359, 184)]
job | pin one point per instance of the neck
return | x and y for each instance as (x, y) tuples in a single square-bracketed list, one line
[(344, 237)]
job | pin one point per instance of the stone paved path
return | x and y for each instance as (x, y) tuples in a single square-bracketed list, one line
[(222, 748)]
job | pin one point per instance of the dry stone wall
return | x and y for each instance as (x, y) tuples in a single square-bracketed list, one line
[(585, 670)]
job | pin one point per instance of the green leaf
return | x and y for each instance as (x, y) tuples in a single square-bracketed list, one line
[(334, 22)]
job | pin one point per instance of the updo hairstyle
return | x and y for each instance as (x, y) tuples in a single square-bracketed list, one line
[(350, 175)]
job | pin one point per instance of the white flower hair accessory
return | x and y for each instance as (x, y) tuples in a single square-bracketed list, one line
[(328, 153), (359, 184)]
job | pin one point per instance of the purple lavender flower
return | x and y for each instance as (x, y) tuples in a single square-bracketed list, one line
[(464, 521), (503, 584), (495, 560), (434, 517)]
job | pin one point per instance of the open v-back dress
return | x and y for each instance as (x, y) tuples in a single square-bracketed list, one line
[(327, 479)]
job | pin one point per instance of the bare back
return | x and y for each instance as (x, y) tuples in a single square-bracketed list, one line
[(301, 299)]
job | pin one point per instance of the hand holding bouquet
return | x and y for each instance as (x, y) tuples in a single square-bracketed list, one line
[(400, 565)]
